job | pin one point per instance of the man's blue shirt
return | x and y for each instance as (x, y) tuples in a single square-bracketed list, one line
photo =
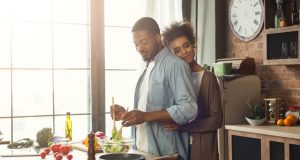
[(170, 89)]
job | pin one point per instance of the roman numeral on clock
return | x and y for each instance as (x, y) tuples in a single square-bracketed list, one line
[(235, 23)]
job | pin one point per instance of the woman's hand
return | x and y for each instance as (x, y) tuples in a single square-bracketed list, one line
[(118, 110), (171, 126)]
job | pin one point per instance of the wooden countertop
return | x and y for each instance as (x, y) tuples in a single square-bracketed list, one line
[(32, 155), (268, 129)]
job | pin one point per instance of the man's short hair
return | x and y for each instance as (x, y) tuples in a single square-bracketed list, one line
[(146, 24)]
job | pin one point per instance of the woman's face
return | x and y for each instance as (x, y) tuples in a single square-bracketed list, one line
[(183, 48)]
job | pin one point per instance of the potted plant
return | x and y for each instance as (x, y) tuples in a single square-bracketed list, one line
[(257, 114)]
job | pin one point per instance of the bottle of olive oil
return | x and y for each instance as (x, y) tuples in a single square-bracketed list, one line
[(279, 19), (68, 127)]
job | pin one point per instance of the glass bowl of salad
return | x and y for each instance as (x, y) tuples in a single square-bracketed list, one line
[(110, 145)]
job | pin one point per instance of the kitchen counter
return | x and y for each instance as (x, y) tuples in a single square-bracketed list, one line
[(268, 129), (263, 142), (77, 155)]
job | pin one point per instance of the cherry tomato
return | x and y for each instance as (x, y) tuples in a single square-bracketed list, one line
[(47, 150), (55, 154), (64, 149), (55, 147), (69, 156), (58, 157), (43, 154)]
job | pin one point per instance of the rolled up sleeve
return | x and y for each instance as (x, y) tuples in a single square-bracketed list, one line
[(185, 107)]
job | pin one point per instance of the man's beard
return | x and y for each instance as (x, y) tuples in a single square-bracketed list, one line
[(155, 49)]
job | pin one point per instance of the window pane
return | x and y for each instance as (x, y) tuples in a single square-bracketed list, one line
[(71, 91), (32, 92), (71, 46), (5, 92), (32, 10), (32, 45), (120, 85), (119, 48), (5, 8), (5, 128), (76, 12), (122, 13), (81, 126), (5, 46), (28, 127)]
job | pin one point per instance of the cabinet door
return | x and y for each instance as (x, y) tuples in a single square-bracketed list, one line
[(294, 152), (245, 148), (276, 150)]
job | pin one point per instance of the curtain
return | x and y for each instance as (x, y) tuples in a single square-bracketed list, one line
[(164, 11), (203, 18), (186, 9)]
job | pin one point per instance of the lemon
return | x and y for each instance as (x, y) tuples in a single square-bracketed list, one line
[(280, 122)]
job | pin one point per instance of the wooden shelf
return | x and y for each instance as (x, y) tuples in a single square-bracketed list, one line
[(274, 37), (270, 10)]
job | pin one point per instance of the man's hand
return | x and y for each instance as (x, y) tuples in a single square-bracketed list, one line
[(118, 110), (171, 126), (133, 117)]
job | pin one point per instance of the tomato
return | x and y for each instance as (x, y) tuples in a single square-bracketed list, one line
[(99, 134), (55, 148), (69, 156), (55, 154), (64, 149), (58, 157), (43, 154), (47, 150)]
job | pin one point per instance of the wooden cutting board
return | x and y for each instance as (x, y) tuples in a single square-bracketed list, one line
[(82, 147)]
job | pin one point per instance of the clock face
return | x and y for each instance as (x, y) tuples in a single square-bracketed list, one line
[(246, 18)]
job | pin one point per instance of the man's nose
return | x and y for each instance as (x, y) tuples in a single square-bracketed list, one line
[(140, 48)]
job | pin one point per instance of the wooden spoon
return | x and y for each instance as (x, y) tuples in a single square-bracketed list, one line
[(119, 134), (114, 130)]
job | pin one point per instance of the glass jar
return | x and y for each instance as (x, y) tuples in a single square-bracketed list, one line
[(279, 19), (294, 110)]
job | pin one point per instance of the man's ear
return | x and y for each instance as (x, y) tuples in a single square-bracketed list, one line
[(158, 38)]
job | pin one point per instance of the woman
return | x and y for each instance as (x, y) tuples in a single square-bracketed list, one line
[(179, 37)]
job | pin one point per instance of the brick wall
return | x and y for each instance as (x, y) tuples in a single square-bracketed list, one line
[(277, 81)]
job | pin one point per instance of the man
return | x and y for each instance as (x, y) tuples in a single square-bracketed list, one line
[(164, 93)]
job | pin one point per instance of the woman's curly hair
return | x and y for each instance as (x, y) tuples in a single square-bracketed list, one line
[(176, 30)]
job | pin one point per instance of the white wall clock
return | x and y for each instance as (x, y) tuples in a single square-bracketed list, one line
[(246, 18)]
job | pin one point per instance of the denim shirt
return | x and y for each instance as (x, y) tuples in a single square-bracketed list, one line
[(170, 89)]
